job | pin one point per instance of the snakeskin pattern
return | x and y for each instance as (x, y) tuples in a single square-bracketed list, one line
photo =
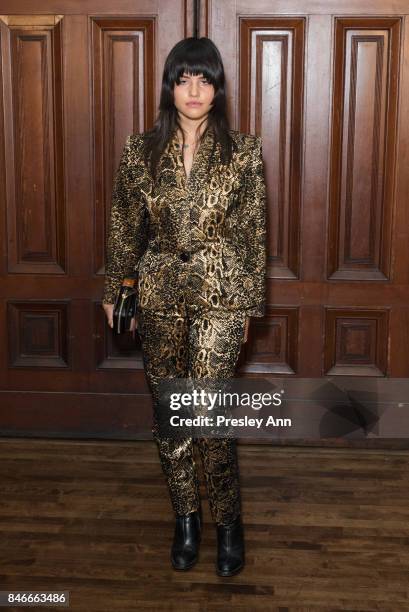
[(191, 343), (198, 245), (218, 215)]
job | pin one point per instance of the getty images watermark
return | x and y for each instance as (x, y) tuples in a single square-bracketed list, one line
[(219, 406), (298, 408)]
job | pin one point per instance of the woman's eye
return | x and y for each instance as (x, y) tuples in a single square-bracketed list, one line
[(205, 81)]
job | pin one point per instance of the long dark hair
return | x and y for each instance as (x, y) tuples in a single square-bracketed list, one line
[(191, 56)]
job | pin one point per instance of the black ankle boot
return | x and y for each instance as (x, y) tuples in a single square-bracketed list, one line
[(185, 548), (230, 548)]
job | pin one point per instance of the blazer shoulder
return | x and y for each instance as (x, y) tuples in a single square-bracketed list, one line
[(133, 147), (246, 141), (134, 141)]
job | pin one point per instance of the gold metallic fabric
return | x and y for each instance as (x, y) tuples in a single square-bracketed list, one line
[(188, 342), (218, 214), (198, 244)]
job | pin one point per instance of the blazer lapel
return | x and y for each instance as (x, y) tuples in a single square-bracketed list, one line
[(201, 166)]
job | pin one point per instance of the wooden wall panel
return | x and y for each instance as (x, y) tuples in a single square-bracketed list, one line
[(273, 345), (271, 105), (363, 157), (324, 85), (356, 342), (92, 72), (38, 334), (322, 88), (32, 102), (123, 81)]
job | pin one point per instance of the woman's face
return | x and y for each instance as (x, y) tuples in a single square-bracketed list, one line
[(193, 96)]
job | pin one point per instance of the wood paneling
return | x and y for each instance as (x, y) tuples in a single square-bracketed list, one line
[(322, 88), (326, 86), (271, 105), (32, 102), (123, 81), (75, 80), (38, 335), (356, 342), (273, 344), (364, 134)]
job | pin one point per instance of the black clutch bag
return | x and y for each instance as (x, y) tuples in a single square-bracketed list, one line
[(125, 305)]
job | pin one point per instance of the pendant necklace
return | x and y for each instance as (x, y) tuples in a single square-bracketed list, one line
[(185, 146)]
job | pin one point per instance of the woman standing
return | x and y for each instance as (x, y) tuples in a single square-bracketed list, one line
[(188, 215)]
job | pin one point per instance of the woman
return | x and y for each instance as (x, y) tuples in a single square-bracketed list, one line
[(188, 214)]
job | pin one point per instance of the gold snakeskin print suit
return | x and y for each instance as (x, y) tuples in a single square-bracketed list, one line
[(199, 247)]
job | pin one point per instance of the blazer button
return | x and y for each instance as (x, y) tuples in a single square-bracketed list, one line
[(185, 255)]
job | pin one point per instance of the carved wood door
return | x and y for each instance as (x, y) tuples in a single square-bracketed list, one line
[(75, 80), (326, 84)]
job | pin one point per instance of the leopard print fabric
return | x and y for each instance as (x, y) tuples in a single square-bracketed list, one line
[(207, 232)]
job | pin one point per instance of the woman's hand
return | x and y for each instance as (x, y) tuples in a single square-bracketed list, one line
[(246, 330), (109, 311), (134, 326)]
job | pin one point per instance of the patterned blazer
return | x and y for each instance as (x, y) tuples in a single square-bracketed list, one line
[(201, 238)]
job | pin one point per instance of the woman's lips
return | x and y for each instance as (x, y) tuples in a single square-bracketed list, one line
[(194, 104)]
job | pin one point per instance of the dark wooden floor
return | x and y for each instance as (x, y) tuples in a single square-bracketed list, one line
[(325, 529)]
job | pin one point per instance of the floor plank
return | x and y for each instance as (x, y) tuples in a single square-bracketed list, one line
[(325, 529)]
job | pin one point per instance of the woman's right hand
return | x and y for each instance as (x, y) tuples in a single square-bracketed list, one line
[(134, 325), (109, 311)]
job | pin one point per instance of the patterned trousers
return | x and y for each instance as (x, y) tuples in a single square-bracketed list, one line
[(193, 344)]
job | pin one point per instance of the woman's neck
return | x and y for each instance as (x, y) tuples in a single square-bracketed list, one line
[(193, 130)]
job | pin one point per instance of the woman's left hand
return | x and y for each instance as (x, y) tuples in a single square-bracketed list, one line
[(246, 330)]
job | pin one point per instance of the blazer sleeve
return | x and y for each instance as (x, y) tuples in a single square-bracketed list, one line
[(254, 229), (127, 233)]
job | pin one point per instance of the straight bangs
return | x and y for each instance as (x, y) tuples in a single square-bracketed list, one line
[(194, 68)]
